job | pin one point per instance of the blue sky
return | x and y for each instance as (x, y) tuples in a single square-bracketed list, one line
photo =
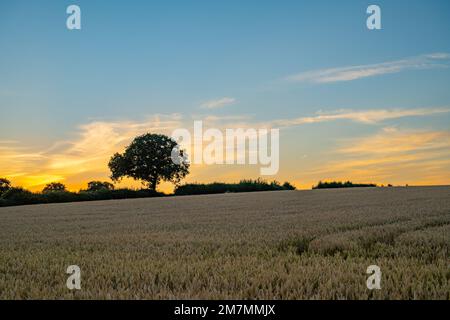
[(134, 59)]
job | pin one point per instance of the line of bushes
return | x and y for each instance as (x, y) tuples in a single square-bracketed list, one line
[(338, 184), (19, 196), (56, 192), (242, 186)]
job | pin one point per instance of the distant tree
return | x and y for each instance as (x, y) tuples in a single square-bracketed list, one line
[(99, 185), (338, 184), (288, 186), (151, 158), (54, 186), (5, 185), (275, 184)]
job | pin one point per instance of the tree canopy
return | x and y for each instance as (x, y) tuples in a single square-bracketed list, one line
[(150, 158), (99, 185), (54, 186), (5, 185)]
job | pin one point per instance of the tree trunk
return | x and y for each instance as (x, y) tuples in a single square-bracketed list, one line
[(153, 184)]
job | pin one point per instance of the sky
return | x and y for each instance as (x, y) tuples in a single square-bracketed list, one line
[(351, 103)]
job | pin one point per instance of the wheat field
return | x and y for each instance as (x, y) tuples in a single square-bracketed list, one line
[(270, 245)]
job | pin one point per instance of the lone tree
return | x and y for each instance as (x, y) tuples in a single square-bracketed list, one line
[(54, 186), (151, 158), (5, 185), (99, 185)]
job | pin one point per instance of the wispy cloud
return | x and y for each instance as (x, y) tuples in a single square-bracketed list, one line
[(391, 156), (218, 103), (394, 141), (363, 116), (428, 61)]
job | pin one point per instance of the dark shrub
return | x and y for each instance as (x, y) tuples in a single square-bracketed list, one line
[(99, 185), (58, 197), (54, 186), (242, 186), (124, 194), (348, 184), (17, 196), (288, 186), (105, 194)]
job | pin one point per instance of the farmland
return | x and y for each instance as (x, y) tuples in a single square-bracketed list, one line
[(267, 245)]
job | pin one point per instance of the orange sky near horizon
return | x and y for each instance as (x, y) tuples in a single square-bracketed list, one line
[(389, 156)]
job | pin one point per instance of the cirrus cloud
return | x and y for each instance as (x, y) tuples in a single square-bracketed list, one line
[(362, 116), (218, 103), (422, 62)]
